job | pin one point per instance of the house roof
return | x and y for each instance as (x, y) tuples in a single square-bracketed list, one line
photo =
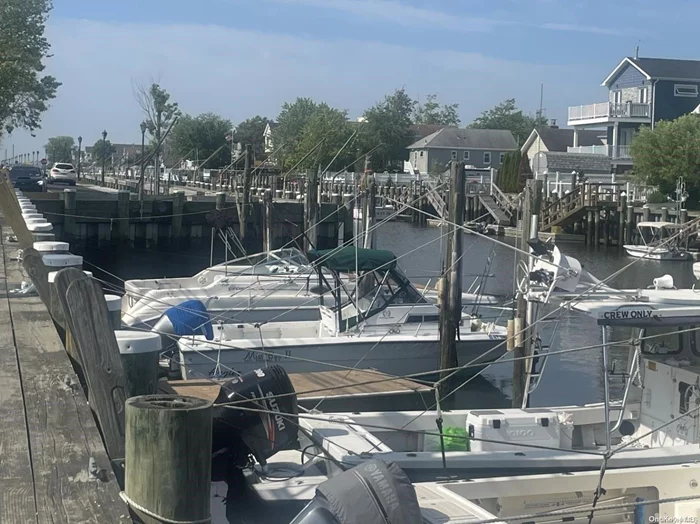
[(454, 137), (568, 162), (423, 130), (557, 139), (659, 68)]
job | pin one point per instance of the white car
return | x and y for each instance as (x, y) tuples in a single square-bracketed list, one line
[(63, 173)]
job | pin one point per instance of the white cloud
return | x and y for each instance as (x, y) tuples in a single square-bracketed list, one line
[(399, 13), (239, 74)]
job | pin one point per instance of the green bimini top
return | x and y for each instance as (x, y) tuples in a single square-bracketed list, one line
[(343, 259)]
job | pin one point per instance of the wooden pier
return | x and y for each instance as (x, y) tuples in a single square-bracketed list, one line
[(53, 464)]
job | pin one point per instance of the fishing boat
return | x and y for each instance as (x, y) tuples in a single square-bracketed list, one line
[(383, 322), (661, 243), (656, 421), (278, 286)]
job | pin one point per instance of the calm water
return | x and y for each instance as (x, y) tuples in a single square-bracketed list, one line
[(574, 378)]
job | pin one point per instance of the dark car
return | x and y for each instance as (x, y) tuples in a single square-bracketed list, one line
[(27, 178)]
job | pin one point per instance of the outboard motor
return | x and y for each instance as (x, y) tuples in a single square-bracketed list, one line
[(267, 421), (189, 318), (372, 493)]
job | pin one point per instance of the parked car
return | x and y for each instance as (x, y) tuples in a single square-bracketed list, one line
[(27, 178), (63, 173)]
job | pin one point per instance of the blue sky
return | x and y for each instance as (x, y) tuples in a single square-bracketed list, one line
[(240, 58)]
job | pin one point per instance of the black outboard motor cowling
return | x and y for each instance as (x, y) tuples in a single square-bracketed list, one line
[(372, 493), (267, 422)]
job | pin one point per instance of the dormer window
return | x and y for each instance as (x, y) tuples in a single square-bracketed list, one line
[(617, 97)]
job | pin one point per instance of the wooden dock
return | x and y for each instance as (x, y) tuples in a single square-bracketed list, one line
[(53, 464)]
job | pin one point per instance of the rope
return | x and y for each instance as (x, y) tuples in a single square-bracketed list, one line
[(153, 515)]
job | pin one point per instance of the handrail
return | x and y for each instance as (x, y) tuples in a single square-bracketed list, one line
[(503, 201)]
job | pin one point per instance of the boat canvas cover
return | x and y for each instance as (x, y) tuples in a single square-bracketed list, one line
[(343, 259), (375, 492)]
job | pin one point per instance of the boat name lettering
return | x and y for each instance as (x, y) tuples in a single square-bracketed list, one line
[(521, 433), (224, 374), (620, 315), (236, 288), (267, 357), (272, 401)]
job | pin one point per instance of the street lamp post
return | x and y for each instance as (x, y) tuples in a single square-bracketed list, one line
[(104, 154), (143, 159), (80, 143)]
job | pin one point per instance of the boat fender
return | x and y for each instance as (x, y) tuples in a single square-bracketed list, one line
[(664, 282), (188, 318)]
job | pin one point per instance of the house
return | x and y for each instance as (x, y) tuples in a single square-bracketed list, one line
[(480, 148), (640, 91), (554, 139)]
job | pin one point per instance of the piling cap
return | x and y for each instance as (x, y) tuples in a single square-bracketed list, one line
[(62, 260), (114, 302), (43, 227), (131, 342), (51, 247), (52, 276)]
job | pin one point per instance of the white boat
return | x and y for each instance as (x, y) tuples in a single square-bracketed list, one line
[(631, 495), (280, 285), (391, 327), (658, 247), (662, 386)]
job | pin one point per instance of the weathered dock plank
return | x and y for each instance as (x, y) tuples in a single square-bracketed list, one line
[(16, 483), (71, 473)]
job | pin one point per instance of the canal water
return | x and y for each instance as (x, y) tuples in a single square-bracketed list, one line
[(573, 378)]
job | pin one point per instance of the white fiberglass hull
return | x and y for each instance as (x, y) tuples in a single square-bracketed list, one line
[(393, 354), (652, 253)]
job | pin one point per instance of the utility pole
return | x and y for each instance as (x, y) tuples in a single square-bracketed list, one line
[(531, 204), (245, 199), (451, 283)]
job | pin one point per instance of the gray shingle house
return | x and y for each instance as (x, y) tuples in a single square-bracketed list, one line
[(481, 148), (554, 139), (640, 91)]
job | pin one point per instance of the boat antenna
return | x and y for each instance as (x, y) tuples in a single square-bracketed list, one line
[(438, 422)]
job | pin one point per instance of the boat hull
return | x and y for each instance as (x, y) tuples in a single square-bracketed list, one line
[(402, 356), (657, 254)]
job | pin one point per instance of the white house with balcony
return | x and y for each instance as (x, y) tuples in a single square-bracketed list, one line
[(640, 91)]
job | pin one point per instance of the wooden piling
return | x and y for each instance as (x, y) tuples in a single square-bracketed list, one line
[(168, 458), (531, 206), (629, 237), (646, 214), (244, 202), (664, 214), (178, 209), (596, 228), (123, 215), (622, 214), (267, 221), (140, 353), (70, 210), (451, 300)]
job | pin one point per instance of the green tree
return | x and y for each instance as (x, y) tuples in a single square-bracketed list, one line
[(102, 149), (159, 114), (24, 93), (199, 137), (508, 179), (432, 112), (290, 127), (251, 131), (507, 116), (388, 125), (329, 128), (670, 150), (524, 171), (59, 149)]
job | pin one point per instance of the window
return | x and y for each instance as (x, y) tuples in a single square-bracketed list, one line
[(421, 153), (454, 155), (487, 157), (501, 158), (685, 90), (617, 97), (644, 95), (466, 155)]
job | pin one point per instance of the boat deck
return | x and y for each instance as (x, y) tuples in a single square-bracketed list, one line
[(48, 436), (314, 385)]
